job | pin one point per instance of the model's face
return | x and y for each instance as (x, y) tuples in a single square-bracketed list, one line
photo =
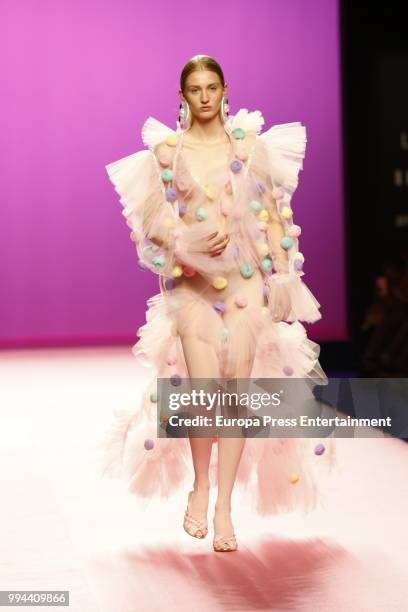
[(203, 88)]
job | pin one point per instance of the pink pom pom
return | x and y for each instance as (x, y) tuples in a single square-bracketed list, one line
[(241, 301), (294, 231), (277, 193), (189, 272), (171, 361)]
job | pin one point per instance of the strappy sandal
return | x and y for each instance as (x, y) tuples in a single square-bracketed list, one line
[(225, 543), (197, 528)]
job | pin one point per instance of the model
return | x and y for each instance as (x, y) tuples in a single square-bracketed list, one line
[(209, 206)]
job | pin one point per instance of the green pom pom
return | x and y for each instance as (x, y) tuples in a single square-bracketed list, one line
[(266, 264), (246, 270), (167, 175), (238, 133), (286, 243), (255, 205), (201, 214), (158, 261), (153, 397)]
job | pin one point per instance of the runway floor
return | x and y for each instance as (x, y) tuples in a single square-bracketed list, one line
[(63, 527)]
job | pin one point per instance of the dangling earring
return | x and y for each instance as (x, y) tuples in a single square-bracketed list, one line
[(224, 109), (184, 115)]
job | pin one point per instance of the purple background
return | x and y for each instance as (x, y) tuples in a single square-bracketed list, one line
[(79, 78)]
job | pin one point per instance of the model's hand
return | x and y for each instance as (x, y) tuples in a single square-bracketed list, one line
[(217, 243)]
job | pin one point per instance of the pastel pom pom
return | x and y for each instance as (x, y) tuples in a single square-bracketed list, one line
[(171, 361), (319, 449), (255, 205), (238, 133), (182, 208), (167, 175), (286, 243), (299, 256), (294, 477), (288, 370), (235, 165), (175, 380), (158, 261), (171, 194), (220, 282), (298, 265), (225, 333), (164, 158), (246, 270), (153, 397), (241, 301), (169, 283), (241, 154), (201, 214), (219, 306), (294, 231), (263, 249), (260, 187), (210, 192), (277, 193), (188, 272), (171, 140), (148, 444), (266, 264), (177, 271), (263, 215), (286, 212)]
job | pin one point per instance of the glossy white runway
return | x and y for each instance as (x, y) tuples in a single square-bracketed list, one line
[(63, 527)]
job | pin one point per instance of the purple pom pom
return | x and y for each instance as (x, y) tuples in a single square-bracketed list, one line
[(236, 165), (260, 188), (288, 370), (171, 194), (219, 306), (298, 264), (175, 380), (169, 283), (319, 449), (182, 208), (148, 444)]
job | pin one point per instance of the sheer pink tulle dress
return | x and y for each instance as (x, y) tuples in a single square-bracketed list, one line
[(175, 194)]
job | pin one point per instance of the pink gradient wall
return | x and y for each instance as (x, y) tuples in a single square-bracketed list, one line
[(79, 78)]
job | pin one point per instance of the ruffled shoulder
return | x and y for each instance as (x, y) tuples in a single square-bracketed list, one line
[(154, 132), (248, 121), (285, 146)]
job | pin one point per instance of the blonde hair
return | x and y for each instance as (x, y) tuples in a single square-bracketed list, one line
[(200, 62)]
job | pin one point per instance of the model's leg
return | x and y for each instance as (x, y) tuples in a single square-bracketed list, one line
[(202, 362), (230, 449)]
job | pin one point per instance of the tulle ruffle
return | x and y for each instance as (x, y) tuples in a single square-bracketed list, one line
[(282, 350)]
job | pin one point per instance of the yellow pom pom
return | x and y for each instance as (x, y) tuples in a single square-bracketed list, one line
[(177, 271), (210, 192), (286, 212), (169, 222), (134, 236), (263, 215), (300, 256), (263, 249), (294, 477), (220, 282), (171, 140)]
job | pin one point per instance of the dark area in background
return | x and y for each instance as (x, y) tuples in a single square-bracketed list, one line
[(374, 55)]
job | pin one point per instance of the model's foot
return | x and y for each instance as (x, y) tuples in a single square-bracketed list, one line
[(195, 516), (224, 536)]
